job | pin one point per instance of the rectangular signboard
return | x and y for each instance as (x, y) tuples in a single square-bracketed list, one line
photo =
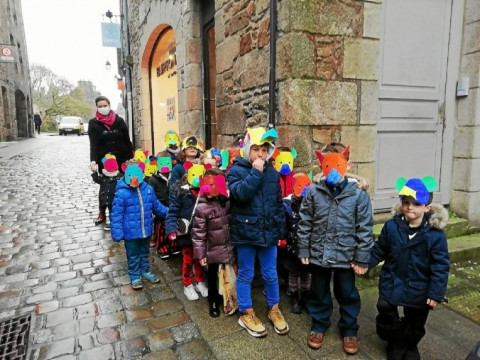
[(111, 35)]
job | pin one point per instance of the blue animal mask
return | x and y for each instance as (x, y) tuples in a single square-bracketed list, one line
[(419, 189), (134, 175)]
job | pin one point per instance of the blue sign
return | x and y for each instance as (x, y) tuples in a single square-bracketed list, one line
[(111, 35)]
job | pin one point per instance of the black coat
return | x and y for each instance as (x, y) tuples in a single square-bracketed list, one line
[(160, 185), (115, 141), (107, 187)]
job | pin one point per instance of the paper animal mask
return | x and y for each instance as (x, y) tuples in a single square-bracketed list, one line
[(419, 189), (300, 184), (284, 161), (134, 174), (193, 141), (140, 155), (171, 139), (194, 171), (334, 165), (110, 164), (213, 185), (164, 164), (150, 166)]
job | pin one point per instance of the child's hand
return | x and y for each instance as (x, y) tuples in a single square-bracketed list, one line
[(172, 236), (282, 244), (304, 261), (359, 270), (258, 164), (93, 166), (432, 303), (203, 262)]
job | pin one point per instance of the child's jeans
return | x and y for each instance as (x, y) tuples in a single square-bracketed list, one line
[(137, 257), (320, 305), (188, 265), (267, 258)]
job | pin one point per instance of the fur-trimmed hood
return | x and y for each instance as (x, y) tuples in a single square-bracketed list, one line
[(437, 217)]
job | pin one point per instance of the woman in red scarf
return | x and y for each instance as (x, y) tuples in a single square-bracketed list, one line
[(108, 133)]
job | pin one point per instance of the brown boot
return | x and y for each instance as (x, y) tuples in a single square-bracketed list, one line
[(278, 321), (350, 345), (315, 340), (252, 324)]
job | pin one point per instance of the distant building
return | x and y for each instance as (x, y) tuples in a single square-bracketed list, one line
[(16, 111)]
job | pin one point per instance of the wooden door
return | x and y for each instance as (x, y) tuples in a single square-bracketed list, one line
[(413, 75)]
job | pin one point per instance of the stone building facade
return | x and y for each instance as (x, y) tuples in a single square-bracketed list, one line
[(379, 76), (16, 114)]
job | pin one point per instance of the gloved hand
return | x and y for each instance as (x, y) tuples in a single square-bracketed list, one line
[(93, 166), (282, 244), (172, 236)]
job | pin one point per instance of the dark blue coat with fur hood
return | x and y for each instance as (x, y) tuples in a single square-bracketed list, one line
[(257, 211), (417, 269), (132, 211)]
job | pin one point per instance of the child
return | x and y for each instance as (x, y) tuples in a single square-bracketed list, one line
[(335, 231), (132, 221), (289, 250), (108, 182), (182, 206), (210, 233), (283, 162), (258, 223), (172, 145), (415, 273), (190, 151), (159, 182)]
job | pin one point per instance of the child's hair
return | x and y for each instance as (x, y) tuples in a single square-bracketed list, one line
[(335, 147), (181, 155), (430, 198), (283, 148), (205, 156)]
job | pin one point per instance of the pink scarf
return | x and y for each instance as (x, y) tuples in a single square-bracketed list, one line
[(106, 120)]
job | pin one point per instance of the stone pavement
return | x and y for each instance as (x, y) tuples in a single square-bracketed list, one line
[(70, 276)]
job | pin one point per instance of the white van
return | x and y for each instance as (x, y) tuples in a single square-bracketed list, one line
[(70, 125)]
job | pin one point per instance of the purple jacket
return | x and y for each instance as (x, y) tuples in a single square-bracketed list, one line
[(211, 232)]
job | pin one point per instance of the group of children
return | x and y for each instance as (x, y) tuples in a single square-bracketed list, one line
[(227, 216)]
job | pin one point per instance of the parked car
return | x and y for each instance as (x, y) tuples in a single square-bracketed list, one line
[(70, 125), (85, 128)]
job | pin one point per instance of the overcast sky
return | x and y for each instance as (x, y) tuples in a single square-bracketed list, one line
[(65, 36)]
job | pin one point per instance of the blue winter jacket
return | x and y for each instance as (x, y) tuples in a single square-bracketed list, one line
[(417, 269), (257, 213), (132, 210), (335, 232), (175, 179)]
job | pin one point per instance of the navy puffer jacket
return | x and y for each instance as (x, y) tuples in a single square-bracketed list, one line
[(132, 211), (417, 269), (181, 207), (257, 211), (335, 231)]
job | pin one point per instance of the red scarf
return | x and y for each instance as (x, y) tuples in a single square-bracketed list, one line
[(106, 120)]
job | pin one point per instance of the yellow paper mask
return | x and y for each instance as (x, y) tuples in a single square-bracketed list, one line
[(194, 171)]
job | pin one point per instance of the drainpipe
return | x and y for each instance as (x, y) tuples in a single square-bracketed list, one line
[(128, 74), (273, 62)]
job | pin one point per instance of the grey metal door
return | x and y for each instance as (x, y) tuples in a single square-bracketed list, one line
[(413, 75)]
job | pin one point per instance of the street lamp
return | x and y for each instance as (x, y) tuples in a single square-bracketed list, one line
[(108, 65)]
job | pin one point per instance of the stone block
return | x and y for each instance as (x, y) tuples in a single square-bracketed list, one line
[(298, 137), (465, 174), (166, 354), (140, 314), (469, 109), (329, 57), (169, 320), (311, 102), (67, 330), (372, 20), (470, 67), (191, 122), (165, 307), (465, 145), (226, 52), (40, 298), (367, 171), (361, 59), (47, 307), (230, 119), (195, 349), (472, 38), (237, 20), (184, 333), (322, 17), (295, 56), (110, 320), (245, 44), (108, 336), (472, 11), (132, 348), (160, 340), (102, 352), (219, 26), (59, 317), (194, 98), (62, 347), (362, 142), (369, 103), (263, 38), (251, 70), (131, 331), (326, 135), (77, 300), (193, 51), (465, 204), (193, 75)]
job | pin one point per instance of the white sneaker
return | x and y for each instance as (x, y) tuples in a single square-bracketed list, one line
[(190, 292), (202, 289)]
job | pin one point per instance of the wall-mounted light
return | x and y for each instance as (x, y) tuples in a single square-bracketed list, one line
[(108, 65)]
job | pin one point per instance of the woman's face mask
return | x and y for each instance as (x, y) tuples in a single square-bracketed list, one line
[(104, 110)]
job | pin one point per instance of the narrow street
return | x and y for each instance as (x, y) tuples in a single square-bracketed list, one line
[(69, 275)]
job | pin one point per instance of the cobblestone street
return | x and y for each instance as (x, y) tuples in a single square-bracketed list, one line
[(71, 277)]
